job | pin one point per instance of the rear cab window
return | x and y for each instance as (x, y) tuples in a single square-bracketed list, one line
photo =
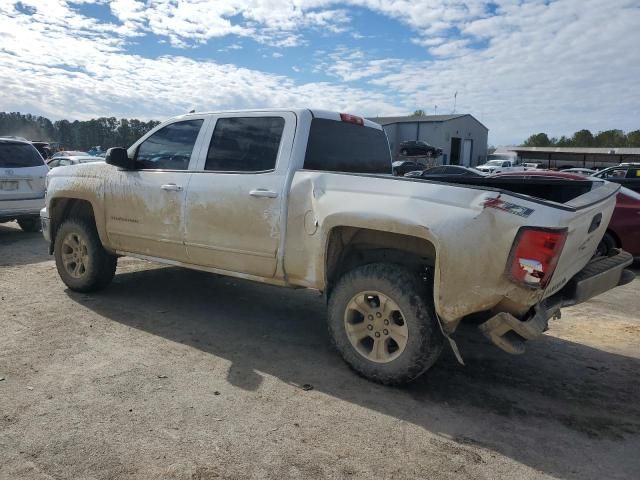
[(336, 146), (19, 155)]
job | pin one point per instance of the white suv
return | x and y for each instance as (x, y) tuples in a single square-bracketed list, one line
[(22, 183)]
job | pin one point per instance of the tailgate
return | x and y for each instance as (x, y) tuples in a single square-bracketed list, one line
[(22, 183), (586, 227)]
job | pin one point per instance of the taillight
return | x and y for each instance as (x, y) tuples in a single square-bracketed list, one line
[(535, 254), (347, 117)]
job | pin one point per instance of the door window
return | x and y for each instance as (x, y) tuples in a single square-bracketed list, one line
[(170, 147), (245, 144), (633, 173)]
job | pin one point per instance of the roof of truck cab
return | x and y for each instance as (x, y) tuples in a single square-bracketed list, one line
[(316, 113)]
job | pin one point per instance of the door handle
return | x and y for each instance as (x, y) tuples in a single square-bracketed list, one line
[(263, 192), (171, 187)]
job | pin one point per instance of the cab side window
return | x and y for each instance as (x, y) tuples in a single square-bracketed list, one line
[(170, 147), (633, 173), (245, 144)]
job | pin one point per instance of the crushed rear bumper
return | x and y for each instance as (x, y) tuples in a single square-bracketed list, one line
[(601, 274)]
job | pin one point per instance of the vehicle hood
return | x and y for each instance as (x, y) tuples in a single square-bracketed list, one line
[(91, 169)]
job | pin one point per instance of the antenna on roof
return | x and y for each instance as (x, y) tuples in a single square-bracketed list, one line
[(192, 111)]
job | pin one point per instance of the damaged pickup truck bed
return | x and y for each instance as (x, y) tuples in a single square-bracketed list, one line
[(303, 198)]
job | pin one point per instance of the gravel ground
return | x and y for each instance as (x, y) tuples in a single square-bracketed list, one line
[(170, 373)]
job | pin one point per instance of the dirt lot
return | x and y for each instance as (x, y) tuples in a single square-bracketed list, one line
[(176, 374)]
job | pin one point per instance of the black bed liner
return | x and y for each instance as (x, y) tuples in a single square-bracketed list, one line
[(552, 189)]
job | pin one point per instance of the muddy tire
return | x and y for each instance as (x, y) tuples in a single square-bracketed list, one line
[(605, 245), (382, 321), (31, 224), (82, 262)]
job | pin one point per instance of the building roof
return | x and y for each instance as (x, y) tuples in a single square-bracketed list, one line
[(414, 118), (422, 119), (578, 150)]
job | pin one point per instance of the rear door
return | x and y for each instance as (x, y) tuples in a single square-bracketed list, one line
[(22, 172), (234, 200)]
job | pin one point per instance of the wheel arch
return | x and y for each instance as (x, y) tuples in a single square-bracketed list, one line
[(348, 247), (62, 208)]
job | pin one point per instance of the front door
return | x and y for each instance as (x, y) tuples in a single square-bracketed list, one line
[(144, 207), (233, 206)]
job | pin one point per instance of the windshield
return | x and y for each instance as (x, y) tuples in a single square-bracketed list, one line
[(494, 163), (19, 155), (498, 158)]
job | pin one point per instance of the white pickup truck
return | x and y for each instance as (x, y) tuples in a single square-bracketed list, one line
[(500, 163), (302, 198)]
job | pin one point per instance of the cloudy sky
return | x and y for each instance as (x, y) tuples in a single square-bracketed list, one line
[(519, 66)]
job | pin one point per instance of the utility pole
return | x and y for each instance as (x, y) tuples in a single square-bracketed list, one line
[(455, 101), (435, 111)]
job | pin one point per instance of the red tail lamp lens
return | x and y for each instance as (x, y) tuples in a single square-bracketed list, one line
[(535, 255)]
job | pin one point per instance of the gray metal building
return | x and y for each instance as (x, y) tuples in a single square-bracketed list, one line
[(462, 138)]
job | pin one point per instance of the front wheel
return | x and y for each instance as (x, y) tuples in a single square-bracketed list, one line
[(381, 320), (82, 262)]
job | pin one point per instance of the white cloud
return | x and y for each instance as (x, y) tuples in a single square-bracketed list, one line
[(530, 66), (555, 67), (66, 75)]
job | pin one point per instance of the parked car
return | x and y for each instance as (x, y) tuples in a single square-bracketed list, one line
[(495, 164), (626, 174), (401, 167), (69, 160), (302, 198), (415, 148), (531, 166), (70, 153), (43, 149), (444, 171), (22, 183), (581, 171), (623, 230)]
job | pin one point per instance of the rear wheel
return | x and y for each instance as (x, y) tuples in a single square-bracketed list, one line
[(29, 224), (382, 322), (82, 262)]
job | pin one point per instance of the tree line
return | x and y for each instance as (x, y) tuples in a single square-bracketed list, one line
[(76, 135), (584, 138)]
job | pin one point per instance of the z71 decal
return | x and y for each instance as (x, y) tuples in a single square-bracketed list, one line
[(508, 207)]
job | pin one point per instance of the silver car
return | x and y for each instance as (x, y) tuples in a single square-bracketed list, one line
[(22, 183)]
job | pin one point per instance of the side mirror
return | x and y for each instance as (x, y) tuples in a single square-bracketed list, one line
[(117, 156)]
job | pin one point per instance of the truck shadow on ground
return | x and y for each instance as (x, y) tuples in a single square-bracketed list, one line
[(565, 393)]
